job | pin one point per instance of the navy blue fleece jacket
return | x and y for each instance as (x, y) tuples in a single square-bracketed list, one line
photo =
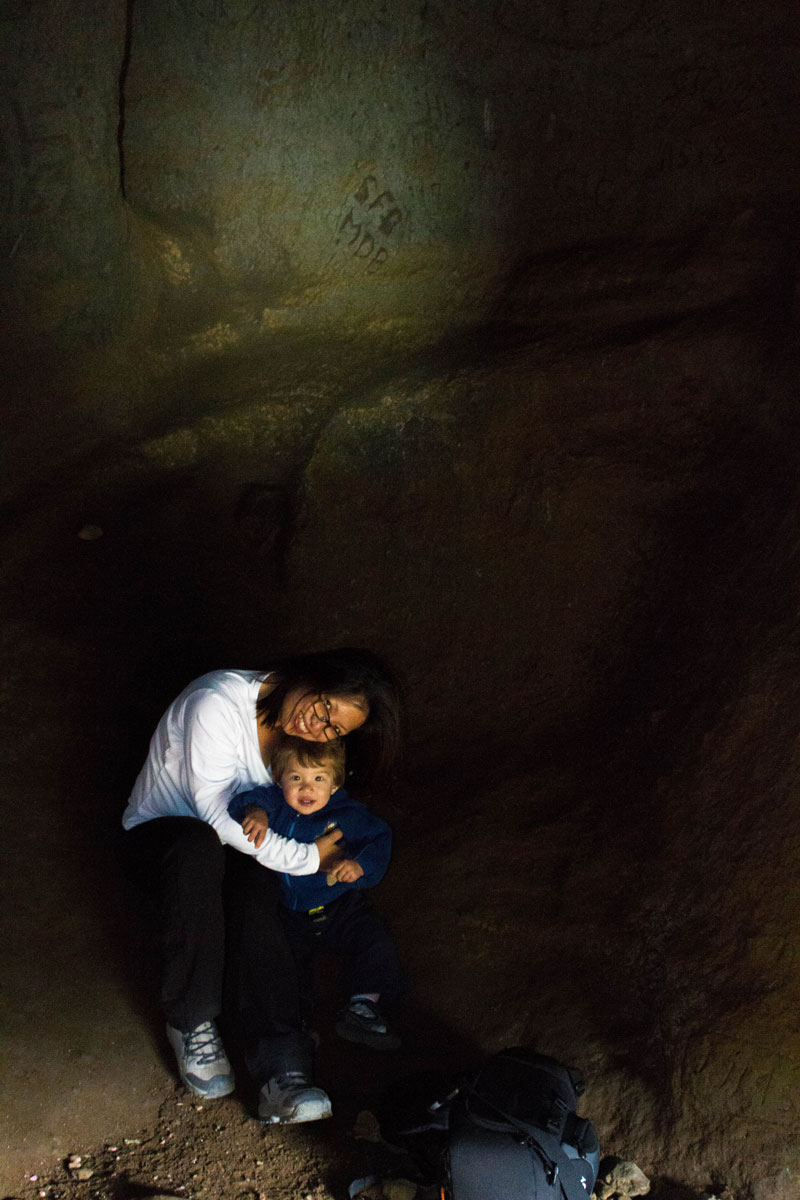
[(367, 839)]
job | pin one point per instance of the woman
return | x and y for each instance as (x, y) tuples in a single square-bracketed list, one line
[(213, 741)]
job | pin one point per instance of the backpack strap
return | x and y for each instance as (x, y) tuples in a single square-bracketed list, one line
[(580, 1133), (558, 1118), (569, 1177)]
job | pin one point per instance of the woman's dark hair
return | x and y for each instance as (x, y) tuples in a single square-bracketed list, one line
[(374, 746)]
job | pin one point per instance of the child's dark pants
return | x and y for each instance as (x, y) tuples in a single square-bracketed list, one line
[(348, 926)]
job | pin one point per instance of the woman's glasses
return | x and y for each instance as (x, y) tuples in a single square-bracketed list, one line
[(322, 711)]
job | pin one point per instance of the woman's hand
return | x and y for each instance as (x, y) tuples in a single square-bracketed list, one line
[(347, 871), (255, 824), (330, 852)]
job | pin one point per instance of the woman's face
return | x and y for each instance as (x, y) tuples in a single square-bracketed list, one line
[(318, 718)]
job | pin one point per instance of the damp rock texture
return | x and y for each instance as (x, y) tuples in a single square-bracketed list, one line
[(465, 332)]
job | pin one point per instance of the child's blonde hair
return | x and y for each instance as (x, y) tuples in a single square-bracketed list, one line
[(308, 754)]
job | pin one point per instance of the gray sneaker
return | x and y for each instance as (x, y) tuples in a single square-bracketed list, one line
[(202, 1062), (363, 1022), (291, 1099)]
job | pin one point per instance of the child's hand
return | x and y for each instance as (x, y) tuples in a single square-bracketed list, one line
[(347, 871), (255, 824)]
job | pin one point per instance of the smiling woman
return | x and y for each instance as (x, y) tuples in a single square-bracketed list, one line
[(324, 718), (213, 908), (333, 694)]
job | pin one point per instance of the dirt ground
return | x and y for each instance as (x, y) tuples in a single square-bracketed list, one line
[(196, 1150)]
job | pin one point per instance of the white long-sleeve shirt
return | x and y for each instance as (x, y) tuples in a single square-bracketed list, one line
[(204, 750)]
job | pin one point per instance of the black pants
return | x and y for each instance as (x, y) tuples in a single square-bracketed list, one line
[(351, 927), (222, 945)]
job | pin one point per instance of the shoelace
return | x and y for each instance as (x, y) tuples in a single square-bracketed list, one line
[(203, 1044), (292, 1079)]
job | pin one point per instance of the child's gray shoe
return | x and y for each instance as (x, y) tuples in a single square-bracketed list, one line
[(362, 1022), (202, 1062), (292, 1099)]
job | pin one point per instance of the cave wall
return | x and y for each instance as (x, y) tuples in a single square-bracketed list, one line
[(190, 182), (463, 332), (409, 158)]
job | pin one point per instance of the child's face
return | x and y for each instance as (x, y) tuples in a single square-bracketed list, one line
[(306, 789)]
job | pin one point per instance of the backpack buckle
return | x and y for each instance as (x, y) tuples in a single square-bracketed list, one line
[(558, 1116)]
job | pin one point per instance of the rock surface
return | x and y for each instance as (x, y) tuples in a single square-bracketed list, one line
[(464, 332)]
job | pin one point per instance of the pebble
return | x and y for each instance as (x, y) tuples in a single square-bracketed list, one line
[(366, 1127), (624, 1179)]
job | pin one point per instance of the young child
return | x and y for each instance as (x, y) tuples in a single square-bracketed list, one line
[(330, 911)]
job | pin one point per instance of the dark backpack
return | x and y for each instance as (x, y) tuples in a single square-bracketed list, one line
[(514, 1133)]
